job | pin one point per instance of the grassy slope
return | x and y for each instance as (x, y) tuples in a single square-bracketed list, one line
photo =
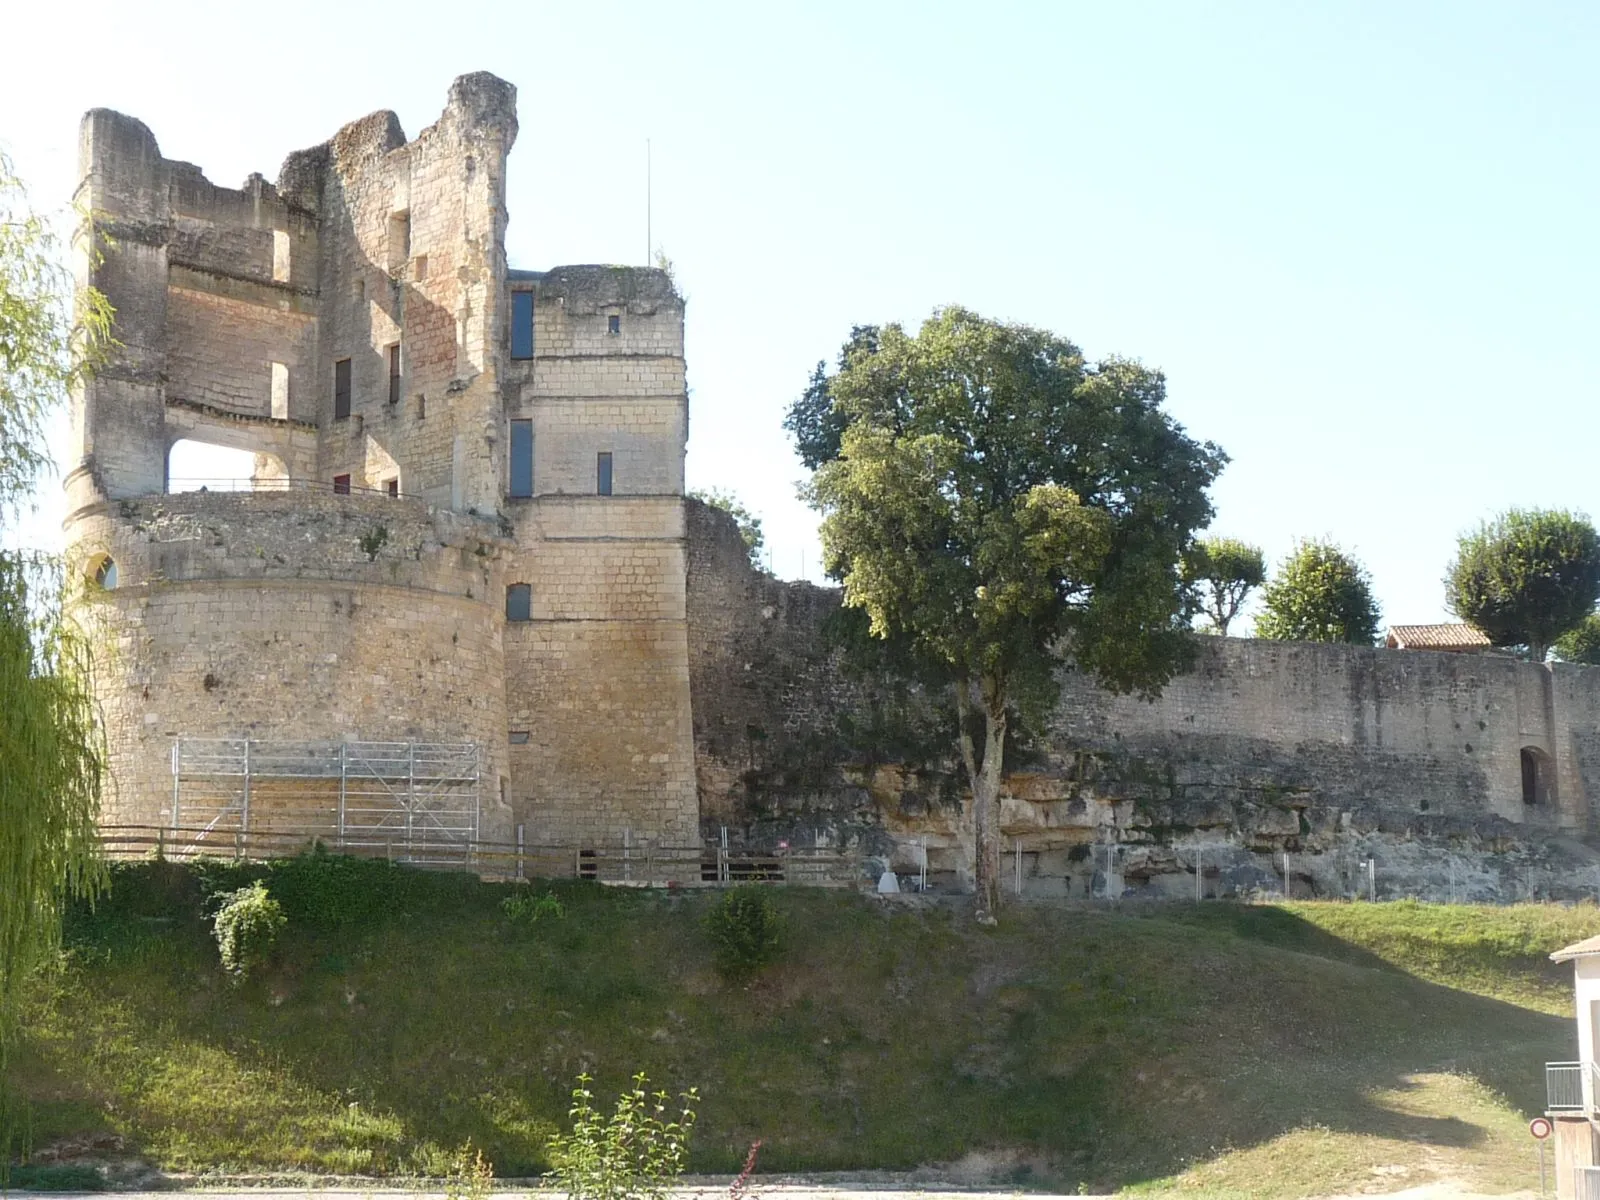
[(1289, 1050)]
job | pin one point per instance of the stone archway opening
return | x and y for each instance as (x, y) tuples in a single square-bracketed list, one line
[(196, 466)]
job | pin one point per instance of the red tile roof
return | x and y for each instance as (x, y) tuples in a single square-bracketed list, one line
[(1452, 636)]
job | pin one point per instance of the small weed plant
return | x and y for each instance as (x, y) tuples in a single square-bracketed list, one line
[(636, 1153), (471, 1175), (247, 927), (746, 931), (524, 908)]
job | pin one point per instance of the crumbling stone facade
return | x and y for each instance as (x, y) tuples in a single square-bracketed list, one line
[(352, 326)]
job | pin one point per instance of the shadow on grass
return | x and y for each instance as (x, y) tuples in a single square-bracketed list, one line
[(1081, 1047)]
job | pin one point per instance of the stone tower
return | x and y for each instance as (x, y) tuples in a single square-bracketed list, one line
[(465, 523)]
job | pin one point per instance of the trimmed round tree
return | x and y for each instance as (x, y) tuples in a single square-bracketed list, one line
[(1526, 577), (1320, 594), (1223, 572)]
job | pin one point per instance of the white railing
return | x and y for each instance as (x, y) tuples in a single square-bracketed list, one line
[(1586, 1183)]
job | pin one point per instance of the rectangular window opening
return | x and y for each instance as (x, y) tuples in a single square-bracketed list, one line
[(519, 737), (280, 391), (341, 485), (602, 473), (519, 602), (341, 389), (521, 481), (422, 406), (393, 488), (280, 256), (419, 268), (614, 324), (394, 373), (399, 248), (521, 324)]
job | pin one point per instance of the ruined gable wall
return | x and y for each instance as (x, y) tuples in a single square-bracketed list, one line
[(413, 236), (210, 285), (264, 615)]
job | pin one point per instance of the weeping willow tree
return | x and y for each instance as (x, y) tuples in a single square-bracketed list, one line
[(52, 756)]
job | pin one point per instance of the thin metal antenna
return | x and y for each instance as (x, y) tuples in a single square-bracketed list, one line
[(649, 237)]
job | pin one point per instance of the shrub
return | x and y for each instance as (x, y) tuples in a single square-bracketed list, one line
[(746, 931), (637, 1153), (326, 892), (247, 927), (523, 906)]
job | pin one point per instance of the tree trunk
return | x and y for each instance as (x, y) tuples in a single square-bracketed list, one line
[(986, 811)]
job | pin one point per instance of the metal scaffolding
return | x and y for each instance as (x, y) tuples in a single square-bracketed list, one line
[(411, 800)]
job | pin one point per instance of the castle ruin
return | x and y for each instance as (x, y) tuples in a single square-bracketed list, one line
[(464, 586)]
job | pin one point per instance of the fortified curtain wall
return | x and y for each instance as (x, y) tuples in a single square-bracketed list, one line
[(1335, 754)]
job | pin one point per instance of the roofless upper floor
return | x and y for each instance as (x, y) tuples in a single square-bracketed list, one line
[(356, 320)]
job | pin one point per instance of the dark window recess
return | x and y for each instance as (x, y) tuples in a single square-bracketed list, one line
[(521, 459), (588, 865), (341, 485), (422, 406), (341, 389), (613, 324), (602, 473), (394, 373), (519, 737), (1537, 772), (394, 488), (521, 324), (519, 602)]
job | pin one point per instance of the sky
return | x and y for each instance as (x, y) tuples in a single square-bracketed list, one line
[(1360, 239)]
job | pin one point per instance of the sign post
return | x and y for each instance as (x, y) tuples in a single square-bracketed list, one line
[(1540, 1128)]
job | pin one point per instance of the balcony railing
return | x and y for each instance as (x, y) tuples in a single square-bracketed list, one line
[(1564, 1087), (1586, 1183)]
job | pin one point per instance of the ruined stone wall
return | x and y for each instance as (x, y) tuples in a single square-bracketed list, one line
[(412, 253), (296, 617), (1331, 753), (211, 287)]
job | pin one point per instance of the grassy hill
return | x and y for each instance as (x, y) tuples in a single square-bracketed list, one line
[(1277, 1050)]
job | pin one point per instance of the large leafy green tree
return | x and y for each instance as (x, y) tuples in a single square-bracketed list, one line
[(1526, 577), (993, 502), (1223, 572), (51, 750), (1320, 594)]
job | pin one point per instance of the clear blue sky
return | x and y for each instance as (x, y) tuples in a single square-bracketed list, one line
[(1360, 239)]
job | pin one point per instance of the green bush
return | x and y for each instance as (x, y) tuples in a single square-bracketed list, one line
[(247, 927), (746, 931), (637, 1153), (522, 906)]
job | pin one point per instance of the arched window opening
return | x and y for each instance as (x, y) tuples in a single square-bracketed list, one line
[(104, 572), (519, 602), (1537, 776)]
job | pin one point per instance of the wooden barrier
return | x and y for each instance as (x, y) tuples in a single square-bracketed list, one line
[(627, 865)]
